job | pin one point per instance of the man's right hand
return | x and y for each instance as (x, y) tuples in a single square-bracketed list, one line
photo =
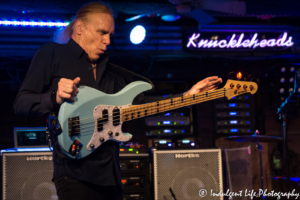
[(67, 89)]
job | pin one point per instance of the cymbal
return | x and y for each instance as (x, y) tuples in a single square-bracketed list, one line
[(254, 138)]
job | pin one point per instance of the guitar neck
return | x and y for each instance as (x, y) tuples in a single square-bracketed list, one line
[(148, 109)]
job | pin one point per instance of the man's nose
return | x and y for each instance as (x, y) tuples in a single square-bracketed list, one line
[(106, 40)]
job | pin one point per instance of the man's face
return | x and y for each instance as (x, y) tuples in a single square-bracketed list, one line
[(95, 34)]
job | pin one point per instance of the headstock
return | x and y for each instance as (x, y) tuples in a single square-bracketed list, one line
[(235, 88)]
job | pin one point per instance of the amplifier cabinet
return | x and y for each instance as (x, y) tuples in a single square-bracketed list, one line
[(239, 170), (187, 174), (27, 176)]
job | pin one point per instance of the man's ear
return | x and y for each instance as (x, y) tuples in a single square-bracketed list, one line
[(78, 27)]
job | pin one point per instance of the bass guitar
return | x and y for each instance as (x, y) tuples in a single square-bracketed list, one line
[(95, 117)]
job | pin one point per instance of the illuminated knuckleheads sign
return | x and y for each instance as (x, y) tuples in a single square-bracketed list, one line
[(239, 41)]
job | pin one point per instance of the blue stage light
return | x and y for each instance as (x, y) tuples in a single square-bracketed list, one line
[(33, 23), (137, 34), (170, 18)]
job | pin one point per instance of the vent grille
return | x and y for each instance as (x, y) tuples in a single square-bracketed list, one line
[(239, 170), (187, 172), (27, 176)]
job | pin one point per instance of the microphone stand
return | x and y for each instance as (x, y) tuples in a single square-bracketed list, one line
[(282, 115)]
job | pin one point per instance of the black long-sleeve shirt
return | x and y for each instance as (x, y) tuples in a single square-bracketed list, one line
[(51, 63)]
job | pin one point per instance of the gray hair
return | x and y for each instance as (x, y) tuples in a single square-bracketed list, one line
[(62, 36)]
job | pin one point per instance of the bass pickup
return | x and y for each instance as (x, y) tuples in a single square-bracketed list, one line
[(74, 126)]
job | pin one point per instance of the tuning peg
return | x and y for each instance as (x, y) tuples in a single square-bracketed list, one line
[(246, 78), (251, 77), (231, 75)]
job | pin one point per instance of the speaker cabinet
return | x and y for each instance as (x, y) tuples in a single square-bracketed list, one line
[(187, 174), (239, 170), (27, 176)]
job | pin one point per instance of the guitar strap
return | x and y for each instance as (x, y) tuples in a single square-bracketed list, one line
[(127, 75)]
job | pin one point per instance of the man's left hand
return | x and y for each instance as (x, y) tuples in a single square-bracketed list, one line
[(208, 84)]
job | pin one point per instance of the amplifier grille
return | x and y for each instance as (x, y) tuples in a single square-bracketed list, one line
[(239, 169), (187, 172), (28, 176)]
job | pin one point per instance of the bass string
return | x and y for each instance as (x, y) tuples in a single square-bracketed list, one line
[(93, 126), (105, 122), (190, 97)]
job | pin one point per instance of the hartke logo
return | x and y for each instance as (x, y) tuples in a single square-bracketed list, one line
[(36, 158), (187, 155)]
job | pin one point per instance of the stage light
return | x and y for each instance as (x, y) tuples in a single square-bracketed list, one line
[(282, 69), (281, 90), (33, 23), (239, 75), (137, 34), (291, 90), (291, 79), (282, 80), (299, 90), (170, 18), (292, 69)]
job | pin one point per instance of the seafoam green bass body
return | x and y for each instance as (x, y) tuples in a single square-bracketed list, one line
[(91, 118)]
